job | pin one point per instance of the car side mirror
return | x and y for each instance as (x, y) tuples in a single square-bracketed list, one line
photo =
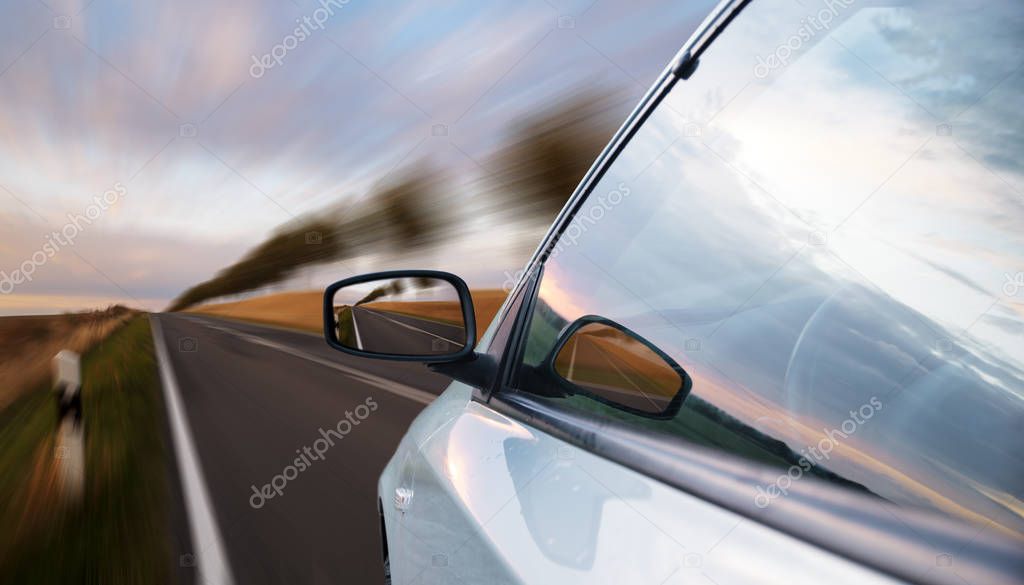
[(404, 315), (609, 363)]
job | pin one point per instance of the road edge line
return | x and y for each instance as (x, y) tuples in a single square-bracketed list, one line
[(211, 561), (413, 327), (392, 386), (359, 340)]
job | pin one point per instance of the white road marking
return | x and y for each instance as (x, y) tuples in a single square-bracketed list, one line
[(359, 340), (391, 386), (211, 561), (572, 359), (407, 326)]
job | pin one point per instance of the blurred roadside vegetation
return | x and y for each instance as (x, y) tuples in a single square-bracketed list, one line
[(118, 531), (529, 178), (29, 343)]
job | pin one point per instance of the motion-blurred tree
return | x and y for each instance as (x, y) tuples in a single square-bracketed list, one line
[(403, 214), (549, 153), (300, 244), (395, 287), (537, 170)]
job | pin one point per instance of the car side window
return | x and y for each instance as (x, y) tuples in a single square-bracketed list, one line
[(495, 340), (796, 261)]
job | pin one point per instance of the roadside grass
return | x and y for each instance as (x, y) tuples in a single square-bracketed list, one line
[(346, 328), (28, 343), (118, 532)]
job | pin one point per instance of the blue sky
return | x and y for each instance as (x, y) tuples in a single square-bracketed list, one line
[(160, 98)]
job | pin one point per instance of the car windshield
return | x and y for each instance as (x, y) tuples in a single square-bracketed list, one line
[(823, 227)]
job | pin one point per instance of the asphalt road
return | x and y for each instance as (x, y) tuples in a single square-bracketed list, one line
[(254, 397), (387, 332)]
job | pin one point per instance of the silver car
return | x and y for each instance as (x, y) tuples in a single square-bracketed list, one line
[(776, 335)]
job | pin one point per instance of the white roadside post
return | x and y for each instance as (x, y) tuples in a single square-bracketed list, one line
[(67, 386)]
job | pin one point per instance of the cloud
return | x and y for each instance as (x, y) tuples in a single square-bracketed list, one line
[(109, 98), (125, 265)]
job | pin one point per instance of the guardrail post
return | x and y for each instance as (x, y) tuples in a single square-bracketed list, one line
[(70, 449), (67, 385)]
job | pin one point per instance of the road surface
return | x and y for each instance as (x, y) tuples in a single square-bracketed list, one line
[(253, 398), (387, 332)]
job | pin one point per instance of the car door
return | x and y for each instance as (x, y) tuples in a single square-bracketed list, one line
[(788, 228)]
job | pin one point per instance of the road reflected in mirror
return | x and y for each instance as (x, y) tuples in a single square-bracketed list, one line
[(400, 316)]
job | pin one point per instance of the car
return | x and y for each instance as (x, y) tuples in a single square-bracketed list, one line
[(776, 334)]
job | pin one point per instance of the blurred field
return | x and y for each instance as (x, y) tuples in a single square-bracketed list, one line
[(27, 345), (118, 532), (618, 367), (298, 310), (304, 309)]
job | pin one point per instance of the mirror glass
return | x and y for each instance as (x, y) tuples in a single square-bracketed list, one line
[(613, 365), (418, 316)]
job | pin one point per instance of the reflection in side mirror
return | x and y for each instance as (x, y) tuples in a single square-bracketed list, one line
[(403, 315), (610, 363)]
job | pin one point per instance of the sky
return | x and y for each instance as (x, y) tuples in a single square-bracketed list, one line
[(148, 144)]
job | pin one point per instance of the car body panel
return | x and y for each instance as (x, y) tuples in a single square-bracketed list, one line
[(496, 501)]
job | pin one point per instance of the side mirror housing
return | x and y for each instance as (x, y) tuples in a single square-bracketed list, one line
[(607, 362), (421, 316)]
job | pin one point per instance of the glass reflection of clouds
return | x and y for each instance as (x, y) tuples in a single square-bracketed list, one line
[(837, 230)]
